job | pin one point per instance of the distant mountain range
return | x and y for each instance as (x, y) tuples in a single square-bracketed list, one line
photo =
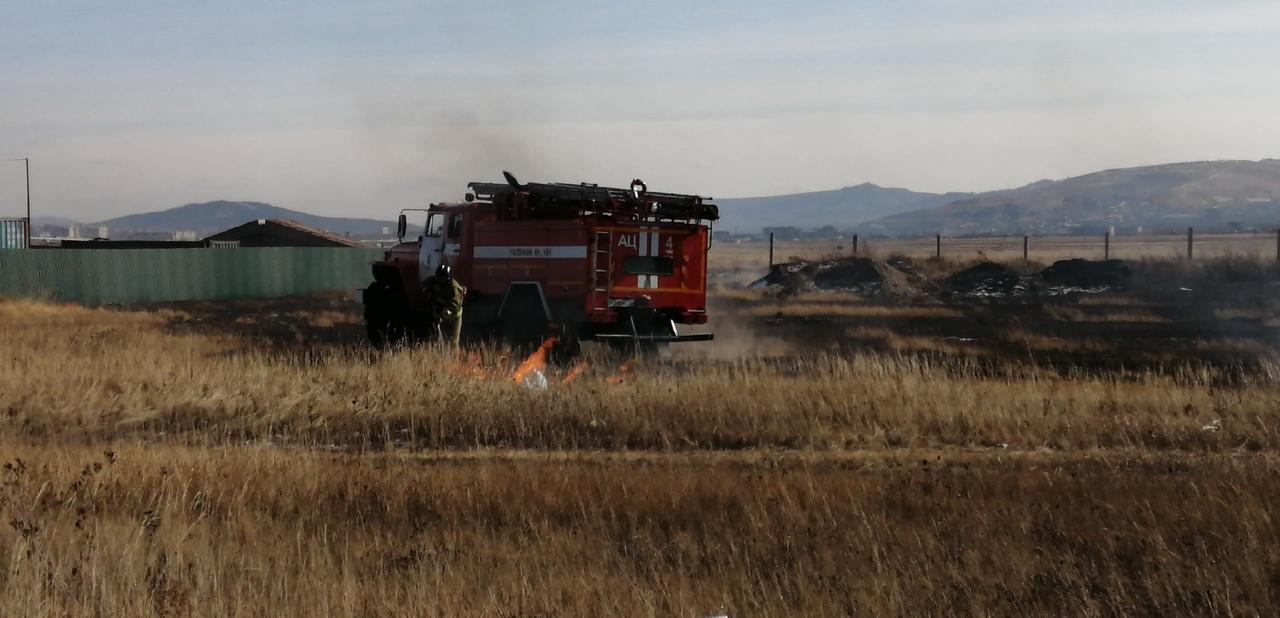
[(1212, 195), (61, 221), (1209, 195), (1216, 195), (842, 208), (211, 217)]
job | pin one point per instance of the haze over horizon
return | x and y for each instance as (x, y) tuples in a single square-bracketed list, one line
[(359, 111)]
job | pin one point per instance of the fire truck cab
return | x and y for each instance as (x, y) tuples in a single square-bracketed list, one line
[(581, 260)]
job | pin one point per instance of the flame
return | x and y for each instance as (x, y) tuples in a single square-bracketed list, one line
[(472, 366), (624, 370), (573, 374), (536, 361)]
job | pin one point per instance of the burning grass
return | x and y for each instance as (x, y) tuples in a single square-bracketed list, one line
[(121, 377)]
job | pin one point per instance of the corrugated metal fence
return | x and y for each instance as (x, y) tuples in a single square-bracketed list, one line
[(122, 276)]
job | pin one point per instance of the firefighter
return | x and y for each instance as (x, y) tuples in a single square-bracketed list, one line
[(445, 295)]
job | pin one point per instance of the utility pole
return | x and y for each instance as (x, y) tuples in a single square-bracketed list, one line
[(27, 162)]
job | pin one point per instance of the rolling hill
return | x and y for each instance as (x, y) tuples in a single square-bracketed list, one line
[(1211, 195), (62, 221), (210, 217), (843, 208)]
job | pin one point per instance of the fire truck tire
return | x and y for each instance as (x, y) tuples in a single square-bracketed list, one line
[(386, 314), (375, 321), (479, 315), (568, 347), (522, 319), (627, 347), (642, 323)]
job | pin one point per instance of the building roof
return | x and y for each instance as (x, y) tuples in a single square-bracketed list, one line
[(315, 231), (289, 224)]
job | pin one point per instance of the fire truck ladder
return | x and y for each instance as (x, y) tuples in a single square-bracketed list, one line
[(601, 270)]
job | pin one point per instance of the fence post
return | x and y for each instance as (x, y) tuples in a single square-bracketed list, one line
[(770, 249), (939, 247), (1026, 240), (855, 244), (1106, 245), (1191, 236)]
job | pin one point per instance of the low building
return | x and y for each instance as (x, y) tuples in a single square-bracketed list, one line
[(278, 233)]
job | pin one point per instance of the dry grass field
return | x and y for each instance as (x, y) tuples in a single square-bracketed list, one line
[(828, 455)]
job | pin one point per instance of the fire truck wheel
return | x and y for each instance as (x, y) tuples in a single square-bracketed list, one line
[(630, 347), (567, 349), (384, 311), (522, 320), (641, 323), (375, 314), (649, 348)]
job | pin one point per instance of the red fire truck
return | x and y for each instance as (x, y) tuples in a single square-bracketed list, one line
[(579, 260)]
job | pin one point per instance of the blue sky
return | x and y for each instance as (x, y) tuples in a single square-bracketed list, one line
[(360, 110)]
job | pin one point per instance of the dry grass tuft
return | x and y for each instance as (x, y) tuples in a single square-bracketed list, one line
[(165, 530), (169, 463)]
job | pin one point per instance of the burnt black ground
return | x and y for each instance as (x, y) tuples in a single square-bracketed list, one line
[(1227, 326), (989, 279), (1161, 320)]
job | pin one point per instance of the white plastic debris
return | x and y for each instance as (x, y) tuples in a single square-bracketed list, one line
[(1067, 289), (1216, 425), (535, 380)]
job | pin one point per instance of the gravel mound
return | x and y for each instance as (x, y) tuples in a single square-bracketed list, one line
[(859, 275), (989, 279), (1087, 274), (788, 275)]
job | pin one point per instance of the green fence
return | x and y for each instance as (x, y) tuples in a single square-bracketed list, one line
[(121, 276)]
